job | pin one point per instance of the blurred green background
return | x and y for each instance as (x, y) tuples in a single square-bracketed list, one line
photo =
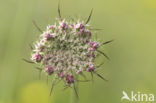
[(131, 23)]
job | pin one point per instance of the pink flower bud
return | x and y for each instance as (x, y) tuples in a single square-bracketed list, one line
[(48, 36), (91, 43), (94, 45), (49, 69), (63, 25), (70, 78), (51, 27), (80, 26), (91, 68), (37, 57)]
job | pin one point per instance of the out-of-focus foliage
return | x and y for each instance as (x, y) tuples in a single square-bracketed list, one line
[(35, 93)]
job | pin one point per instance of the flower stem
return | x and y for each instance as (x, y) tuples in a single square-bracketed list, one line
[(74, 93)]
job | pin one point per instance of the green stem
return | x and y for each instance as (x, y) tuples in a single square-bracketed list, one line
[(74, 93)]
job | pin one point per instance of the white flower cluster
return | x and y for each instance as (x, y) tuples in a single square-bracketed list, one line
[(65, 49)]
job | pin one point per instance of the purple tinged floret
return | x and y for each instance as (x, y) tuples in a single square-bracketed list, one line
[(37, 57), (63, 25), (49, 70), (51, 27), (80, 27), (91, 68), (48, 36), (94, 45), (70, 78)]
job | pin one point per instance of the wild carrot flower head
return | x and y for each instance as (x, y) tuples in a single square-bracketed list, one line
[(66, 50)]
